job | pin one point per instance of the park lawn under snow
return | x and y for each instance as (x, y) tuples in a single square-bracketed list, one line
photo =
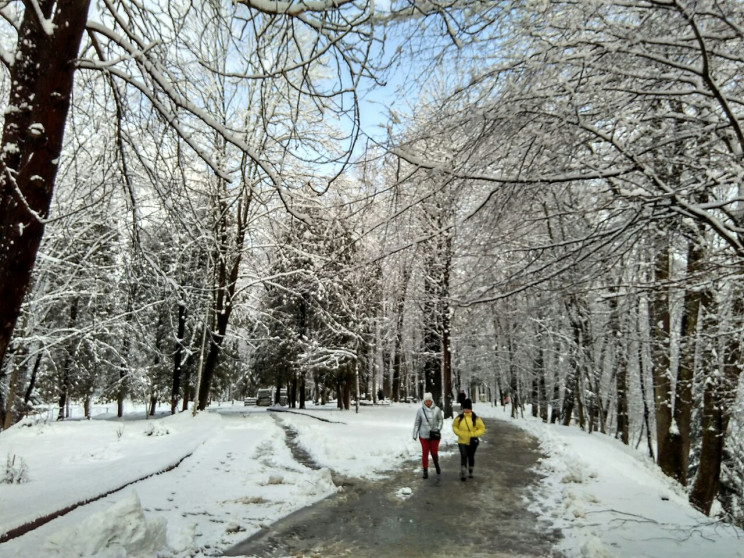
[(236, 475)]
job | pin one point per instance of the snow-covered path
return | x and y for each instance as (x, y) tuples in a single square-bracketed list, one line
[(406, 515)]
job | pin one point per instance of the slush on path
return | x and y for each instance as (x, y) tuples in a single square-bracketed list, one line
[(440, 517)]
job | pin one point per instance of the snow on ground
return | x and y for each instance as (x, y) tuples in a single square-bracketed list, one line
[(235, 475), (611, 500)]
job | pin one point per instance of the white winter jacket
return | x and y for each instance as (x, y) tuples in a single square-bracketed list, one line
[(427, 418)]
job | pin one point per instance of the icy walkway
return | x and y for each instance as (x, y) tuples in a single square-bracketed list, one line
[(405, 515)]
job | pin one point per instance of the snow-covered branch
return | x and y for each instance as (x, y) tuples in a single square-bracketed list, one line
[(423, 163), (46, 24), (294, 8)]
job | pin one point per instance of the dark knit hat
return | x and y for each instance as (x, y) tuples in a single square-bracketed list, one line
[(467, 404)]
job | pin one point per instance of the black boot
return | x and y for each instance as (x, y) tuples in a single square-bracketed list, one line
[(470, 472), (437, 467), (426, 473), (463, 470)]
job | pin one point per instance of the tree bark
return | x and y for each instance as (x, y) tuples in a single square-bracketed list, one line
[(227, 270), (348, 375), (539, 397), (621, 388), (10, 408), (555, 403), (178, 357), (432, 341), (64, 387), (446, 337), (13, 401), (123, 388), (293, 392), (542, 386), (578, 318), (387, 380), (659, 328), (620, 364), (32, 380), (33, 133), (397, 339), (718, 401), (302, 390), (695, 303), (569, 396)]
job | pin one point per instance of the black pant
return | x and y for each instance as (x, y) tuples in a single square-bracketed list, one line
[(467, 455)]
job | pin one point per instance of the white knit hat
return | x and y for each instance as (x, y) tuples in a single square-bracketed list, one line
[(428, 396)]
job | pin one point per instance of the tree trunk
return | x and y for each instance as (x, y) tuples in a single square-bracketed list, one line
[(64, 387), (538, 375), (659, 327), (10, 407), (302, 391), (347, 390), (446, 343), (227, 269), (718, 402), (32, 380), (696, 302), (124, 380), (514, 391), (580, 403), (621, 387), (620, 365), (572, 395), (178, 357), (555, 408), (569, 394), (707, 480), (14, 404), (397, 350), (447, 368), (187, 393), (210, 363), (646, 410), (3, 393), (432, 346), (397, 338), (87, 406), (293, 392), (555, 403), (387, 387), (33, 133), (62, 405), (542, 395)]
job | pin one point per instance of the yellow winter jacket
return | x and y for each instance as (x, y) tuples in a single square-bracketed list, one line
[(465, 429)]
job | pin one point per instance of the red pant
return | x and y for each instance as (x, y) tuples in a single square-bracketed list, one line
[(426, 447)]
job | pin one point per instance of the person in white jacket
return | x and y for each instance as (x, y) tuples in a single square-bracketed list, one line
[(428, 429)]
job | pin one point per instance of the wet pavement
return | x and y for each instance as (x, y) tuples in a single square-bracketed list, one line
[(442, 517)]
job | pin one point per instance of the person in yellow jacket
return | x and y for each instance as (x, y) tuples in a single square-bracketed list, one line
[(468, 428)]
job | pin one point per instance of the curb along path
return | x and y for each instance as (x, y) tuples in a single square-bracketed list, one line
[(484, 516)]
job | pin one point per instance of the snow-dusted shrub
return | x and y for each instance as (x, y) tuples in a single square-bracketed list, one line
[(156, 429), (16, 470)]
